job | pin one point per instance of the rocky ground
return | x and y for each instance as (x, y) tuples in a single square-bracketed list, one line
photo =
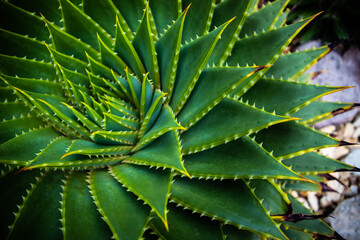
[(342, 204)]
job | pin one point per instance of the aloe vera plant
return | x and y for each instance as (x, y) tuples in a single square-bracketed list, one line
[(122, 118)]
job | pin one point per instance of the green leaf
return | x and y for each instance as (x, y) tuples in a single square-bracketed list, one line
[(14, 126), (50, 9), (164, 123), (84, 120), (13, 186), (240, 208), (23, 22), (66, 43), (292, 65), (224, 11), (305, 78), (264, 48), (242, 158), (164, 12), (282, 18), (146, 97), (218, 128), (100, 70), (135, 88), (233, 233), (9, 110), (93, 115), (102, 12), (115, 123), (125, 88), (26, 68), (75, 205), (302, 186), (89, 148), (314, 163), (35, 85), (75, 95), (44, 105), (110, 59), (64, 61), (80, 25), (164, 151), (116, 138), (52, 153), (184, 225), (132, 11), (144, 45), (47, 215), (295, 234), (168, 50), (23, 148), (285, 97), (7, 93), (264, 18), (66, 115), (320, 110), (72, 91), (291, 139), (153, 112), (215, 84), (198, 21), (126, 51), (100, 85), (121, 108), (278, 203), (22, 46), (125, 216), (151, 186), (192, 60), (65, 152)]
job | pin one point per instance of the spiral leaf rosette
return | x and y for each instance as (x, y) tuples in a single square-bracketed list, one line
[(183, 119)]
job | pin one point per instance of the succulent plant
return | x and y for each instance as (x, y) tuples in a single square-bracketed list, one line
[(122, 118)]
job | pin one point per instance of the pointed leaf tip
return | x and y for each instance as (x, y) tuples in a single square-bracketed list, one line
[(345, 143)]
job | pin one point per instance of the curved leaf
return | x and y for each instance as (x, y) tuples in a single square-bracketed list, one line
[(47, 216), (184, 225), (240, 208), (117, 206), (218, 128), (291, 139), (162, 152), (241, 158), (23, 148), (285, 97), (75, 204), (151, 186)]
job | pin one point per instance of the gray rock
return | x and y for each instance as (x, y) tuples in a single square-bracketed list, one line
[(357, 122), (346, 218), (352, 191), (338, 70), (353, 159)]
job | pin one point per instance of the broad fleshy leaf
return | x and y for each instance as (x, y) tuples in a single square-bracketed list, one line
[(151, 186), (76, 202), (117, 206), (202, 195)]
